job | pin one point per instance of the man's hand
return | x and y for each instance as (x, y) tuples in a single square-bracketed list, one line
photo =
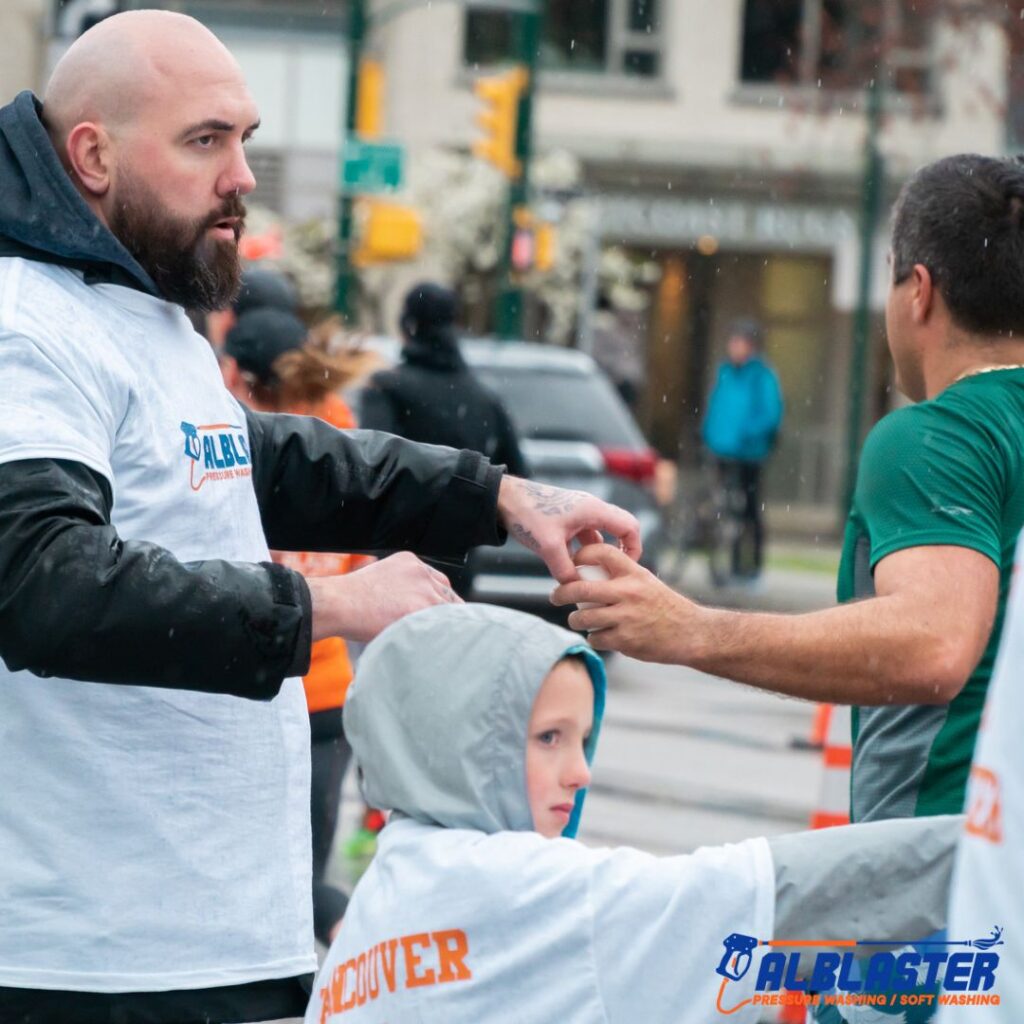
[(635, 612), (359, 605), (548, 519)]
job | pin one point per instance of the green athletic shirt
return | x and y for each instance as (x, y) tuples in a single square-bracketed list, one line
[(946, 471)]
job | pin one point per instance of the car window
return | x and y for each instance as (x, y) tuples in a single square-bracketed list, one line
[(555, 405)]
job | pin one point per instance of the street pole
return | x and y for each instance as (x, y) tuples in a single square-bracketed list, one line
[(871, 199), (509, 306), (345, 279)]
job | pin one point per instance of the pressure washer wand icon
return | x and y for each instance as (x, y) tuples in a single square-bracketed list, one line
[(741, 947)]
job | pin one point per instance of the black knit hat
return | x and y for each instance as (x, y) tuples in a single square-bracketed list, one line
[(262, 335), (428, 309), (265, 289)]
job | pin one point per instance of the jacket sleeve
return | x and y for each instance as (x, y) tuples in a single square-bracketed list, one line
[(508, 452), (322, 489), (77, 601), (884, 879)]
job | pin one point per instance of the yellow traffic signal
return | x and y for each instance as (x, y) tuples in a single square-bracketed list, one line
[(545, 246), (388, 232), (370, 99), (500, 119)]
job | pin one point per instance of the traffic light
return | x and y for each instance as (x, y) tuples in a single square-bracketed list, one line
[(370, 99), (500, 119), (387, 231), (545, 245)]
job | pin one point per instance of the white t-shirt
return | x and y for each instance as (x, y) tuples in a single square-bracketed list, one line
[(150, 839), (988, 881), (457, 926)]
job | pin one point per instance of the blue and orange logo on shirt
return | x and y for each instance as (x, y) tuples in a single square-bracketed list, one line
[(852, 972), (215, 451)]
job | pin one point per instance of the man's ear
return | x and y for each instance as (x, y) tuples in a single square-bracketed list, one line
[(922, 297), (89, 155)]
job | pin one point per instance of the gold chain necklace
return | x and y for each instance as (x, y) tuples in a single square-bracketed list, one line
[(988, 369)]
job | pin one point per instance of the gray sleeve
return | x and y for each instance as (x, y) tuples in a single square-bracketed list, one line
[(875, 881)]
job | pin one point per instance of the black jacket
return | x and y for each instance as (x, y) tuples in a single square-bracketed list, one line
[(432, 396), (79, 602)]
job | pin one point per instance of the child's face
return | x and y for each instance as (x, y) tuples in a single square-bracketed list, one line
[(562, 717)]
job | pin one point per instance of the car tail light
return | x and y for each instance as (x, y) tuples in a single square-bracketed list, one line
[(636, 464)]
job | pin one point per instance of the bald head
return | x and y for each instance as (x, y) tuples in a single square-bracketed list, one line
[(150, 115), (130, 61)]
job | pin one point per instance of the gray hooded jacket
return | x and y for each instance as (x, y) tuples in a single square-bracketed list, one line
[(438, 711)]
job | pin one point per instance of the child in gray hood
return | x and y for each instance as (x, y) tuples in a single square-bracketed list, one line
[(476, 726)]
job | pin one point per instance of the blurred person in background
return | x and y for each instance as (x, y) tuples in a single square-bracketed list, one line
[(740, 429), (272, 364), (432, 395), (616, 351)]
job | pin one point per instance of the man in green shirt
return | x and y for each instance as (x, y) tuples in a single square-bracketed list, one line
[(929, 544)]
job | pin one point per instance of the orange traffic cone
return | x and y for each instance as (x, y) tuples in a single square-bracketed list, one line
[(834, 802), (819, 726)]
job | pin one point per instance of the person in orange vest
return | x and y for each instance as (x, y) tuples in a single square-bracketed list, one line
[(271, 362)]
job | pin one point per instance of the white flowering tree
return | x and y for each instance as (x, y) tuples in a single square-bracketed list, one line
[(462, 205)]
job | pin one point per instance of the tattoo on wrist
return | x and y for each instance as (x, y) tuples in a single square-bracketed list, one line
[(551, 501), (524, 536)]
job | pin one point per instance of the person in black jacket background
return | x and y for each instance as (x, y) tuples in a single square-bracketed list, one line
[(432, 395)]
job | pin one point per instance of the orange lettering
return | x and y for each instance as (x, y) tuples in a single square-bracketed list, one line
[(373, 972), (412, 961), (325, 1004), (388, 949), (984, 806), (338, 989), (452, 948), (361, 979), (350, 965)]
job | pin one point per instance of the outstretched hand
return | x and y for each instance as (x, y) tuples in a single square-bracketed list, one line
[(633, 611), (358, 605), (548, 520)]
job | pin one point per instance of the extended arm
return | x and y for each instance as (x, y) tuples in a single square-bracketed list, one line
[(881, 880), (322, 489), (79, 602), (917, 642)]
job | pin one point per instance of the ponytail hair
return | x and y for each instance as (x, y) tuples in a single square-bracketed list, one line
[(328, 362)]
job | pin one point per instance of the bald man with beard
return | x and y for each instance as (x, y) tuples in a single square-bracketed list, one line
[(154, 746)]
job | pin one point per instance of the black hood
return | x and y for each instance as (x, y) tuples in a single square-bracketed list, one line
[(42, 216)]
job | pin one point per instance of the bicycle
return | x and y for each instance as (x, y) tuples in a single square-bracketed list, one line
[(707, 515)]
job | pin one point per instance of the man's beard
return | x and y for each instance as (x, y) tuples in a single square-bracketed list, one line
[(187, 266)]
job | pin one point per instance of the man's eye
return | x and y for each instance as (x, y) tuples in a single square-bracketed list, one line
[(205, 141)]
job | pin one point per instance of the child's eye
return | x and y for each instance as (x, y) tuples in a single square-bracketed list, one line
[(548, 737)]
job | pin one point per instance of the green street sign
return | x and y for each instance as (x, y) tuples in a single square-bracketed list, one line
[(371, 166)]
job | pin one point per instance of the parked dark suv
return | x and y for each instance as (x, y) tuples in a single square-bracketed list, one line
[(576, 432)]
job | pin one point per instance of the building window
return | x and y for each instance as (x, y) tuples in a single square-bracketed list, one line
[(837, 44), (617, 37)]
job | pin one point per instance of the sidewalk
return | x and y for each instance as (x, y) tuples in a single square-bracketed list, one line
[(796, 579)]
